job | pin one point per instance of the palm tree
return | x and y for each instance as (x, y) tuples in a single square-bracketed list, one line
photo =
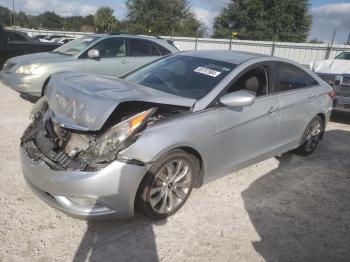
[(105, 21)]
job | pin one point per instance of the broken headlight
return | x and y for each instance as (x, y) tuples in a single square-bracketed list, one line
[(116, 135), (39, 107)]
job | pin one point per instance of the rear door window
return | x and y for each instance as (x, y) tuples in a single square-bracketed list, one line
[(290, 77), (139, 47), (158, 50), (163, 50), (155, 50)]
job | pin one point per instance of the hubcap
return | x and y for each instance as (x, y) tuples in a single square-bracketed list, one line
[(171, 186), (313, 136)]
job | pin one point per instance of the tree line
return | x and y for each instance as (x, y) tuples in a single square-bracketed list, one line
[(276, 20), (269, 20), (161, 17)]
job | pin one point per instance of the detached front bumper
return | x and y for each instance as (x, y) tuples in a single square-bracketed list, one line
[(108, 193), (26, 84)]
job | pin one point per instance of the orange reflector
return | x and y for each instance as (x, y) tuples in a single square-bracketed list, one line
[(137, 120)]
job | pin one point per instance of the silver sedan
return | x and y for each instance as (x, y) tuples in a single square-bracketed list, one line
[(107, 54), (102, 146)]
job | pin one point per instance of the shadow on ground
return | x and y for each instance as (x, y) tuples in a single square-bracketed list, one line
[(129, 240), (301, 210), (29, 98)]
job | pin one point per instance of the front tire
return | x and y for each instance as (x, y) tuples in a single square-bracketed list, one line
[(311, 137), (167, 185)]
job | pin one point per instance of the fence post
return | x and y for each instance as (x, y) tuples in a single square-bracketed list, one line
[(273, 48), (230, 47), (14, 14), (329, 48), (328, 52), (196, 46)]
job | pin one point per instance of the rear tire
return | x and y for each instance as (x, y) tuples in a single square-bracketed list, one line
[(167, 185), (311, 137)]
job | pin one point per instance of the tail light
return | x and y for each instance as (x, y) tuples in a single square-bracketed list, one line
[(332, 94)]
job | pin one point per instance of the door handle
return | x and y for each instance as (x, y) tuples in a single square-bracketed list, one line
[(312, 96), (273, 109), (125, 61)]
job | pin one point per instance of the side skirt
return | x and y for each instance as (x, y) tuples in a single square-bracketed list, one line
[(279, 151)]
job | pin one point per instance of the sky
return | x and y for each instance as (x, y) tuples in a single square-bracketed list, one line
[(327, 15)]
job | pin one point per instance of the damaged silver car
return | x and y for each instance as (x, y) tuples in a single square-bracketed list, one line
[(101, 146)]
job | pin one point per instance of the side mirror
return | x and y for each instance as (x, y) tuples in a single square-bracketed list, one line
[(238, 99), (93, 54)]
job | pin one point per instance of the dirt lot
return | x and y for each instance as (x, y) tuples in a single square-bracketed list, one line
[(286, 209)]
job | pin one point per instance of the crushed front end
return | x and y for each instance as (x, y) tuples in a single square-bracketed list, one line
[(81, 172), (68, 149), (71, 152), (77, 172)]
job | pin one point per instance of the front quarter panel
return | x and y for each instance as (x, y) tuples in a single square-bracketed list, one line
[(192, 130)]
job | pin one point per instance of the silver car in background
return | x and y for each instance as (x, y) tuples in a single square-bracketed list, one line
[(100, 146), (106, 54)]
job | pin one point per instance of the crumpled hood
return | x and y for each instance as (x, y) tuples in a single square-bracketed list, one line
[(85, 101), (332, 66), (44, 57)]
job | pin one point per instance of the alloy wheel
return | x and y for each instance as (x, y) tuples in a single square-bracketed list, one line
[(313, 136), (171, 186)]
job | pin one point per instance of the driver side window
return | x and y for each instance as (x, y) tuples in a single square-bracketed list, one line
[(255, 80)]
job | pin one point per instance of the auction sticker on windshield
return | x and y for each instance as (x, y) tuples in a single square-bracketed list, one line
[(207, 71)]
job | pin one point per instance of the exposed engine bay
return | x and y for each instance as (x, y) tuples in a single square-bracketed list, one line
[(68, 149)]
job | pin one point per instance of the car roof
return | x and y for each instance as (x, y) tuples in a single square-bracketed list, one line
[(18, 32), (164, 42), (15, 31), (122, 34), (233, 57)]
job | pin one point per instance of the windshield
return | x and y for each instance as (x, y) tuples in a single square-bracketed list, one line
[(343, 56), (182, 75), (76, 46)]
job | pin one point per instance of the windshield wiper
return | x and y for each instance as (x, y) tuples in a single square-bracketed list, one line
[(61, 53)]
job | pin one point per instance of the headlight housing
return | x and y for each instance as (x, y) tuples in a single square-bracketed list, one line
[(39, 107), (118, 134), (29, 69)]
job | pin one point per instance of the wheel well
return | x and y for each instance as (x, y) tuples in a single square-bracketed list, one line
[(199, 180), (195, 153), (323, 117), (44, 86)]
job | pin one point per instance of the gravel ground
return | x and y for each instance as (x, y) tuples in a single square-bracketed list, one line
[(286, 209)]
